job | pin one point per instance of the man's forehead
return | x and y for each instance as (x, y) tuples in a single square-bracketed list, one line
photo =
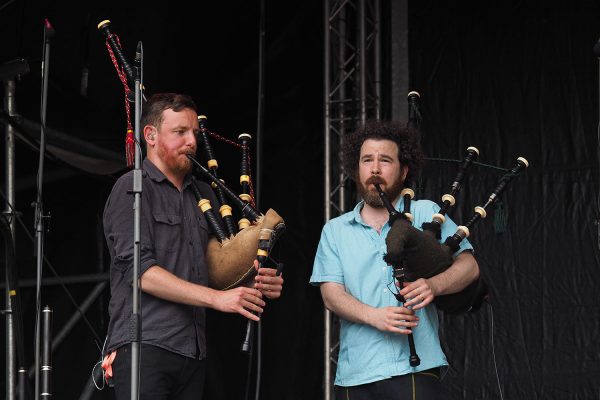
[(384, 146), (186, 116)]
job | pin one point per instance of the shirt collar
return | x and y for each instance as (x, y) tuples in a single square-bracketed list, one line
[(156, 174), (354, 215)]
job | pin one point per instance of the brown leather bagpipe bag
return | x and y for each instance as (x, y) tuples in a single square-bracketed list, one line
[(231, 263)]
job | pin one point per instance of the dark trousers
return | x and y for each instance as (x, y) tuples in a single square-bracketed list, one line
[(163, 375), (423, 385)]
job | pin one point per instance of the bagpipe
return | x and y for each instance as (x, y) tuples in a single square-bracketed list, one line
[(231, 252), (415, 253)]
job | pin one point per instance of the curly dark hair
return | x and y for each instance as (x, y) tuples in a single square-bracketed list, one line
[(407, 139)]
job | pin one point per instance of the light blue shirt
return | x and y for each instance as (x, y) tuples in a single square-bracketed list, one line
[(351, 253)]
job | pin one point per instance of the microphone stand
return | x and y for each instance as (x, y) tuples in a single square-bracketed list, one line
[(135, 322), (39, 211), (251, 335)]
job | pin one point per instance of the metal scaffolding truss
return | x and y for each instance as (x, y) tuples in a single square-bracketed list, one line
[(352, 94)]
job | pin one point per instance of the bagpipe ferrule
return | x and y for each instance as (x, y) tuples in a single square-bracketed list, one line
[(524, 161), (243, 223), (225, 210), (474, 150), (407, 192), (481, 211), (463, 231), (204, 205), (262, 252), (449, 198), (212, 164), (438, 218)]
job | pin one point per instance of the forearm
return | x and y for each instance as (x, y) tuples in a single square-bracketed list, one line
[(161, 283), (458, 276), (344, 305)]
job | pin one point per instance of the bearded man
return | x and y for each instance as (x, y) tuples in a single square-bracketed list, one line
[(173, 274), (357, 285)]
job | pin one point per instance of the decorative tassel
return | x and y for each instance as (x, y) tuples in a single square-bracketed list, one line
[(130, 148)]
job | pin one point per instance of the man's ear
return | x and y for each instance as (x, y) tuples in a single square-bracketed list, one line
[(404, 172), (150, 134)]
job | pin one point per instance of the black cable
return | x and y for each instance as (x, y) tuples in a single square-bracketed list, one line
[(598, 155), (493, 350), (474, 163), (259, 139), (260, 112)]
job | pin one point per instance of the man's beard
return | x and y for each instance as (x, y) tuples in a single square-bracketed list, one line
[(371, 196), (175, 162)]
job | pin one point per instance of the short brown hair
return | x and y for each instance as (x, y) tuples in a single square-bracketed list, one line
[(157, 103)]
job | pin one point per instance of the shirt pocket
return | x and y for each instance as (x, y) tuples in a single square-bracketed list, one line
[(167, 232)]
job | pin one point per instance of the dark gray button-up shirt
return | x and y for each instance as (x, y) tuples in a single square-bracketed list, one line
[(174, 235)]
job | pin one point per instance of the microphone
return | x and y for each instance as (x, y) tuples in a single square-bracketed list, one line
[(138, 54), (104, 27), (138, 61)]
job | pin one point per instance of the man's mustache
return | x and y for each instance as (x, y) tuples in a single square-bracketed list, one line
[(375, 179)]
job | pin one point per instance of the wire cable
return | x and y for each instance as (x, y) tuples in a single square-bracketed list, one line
[(493, 350), (598, 157)]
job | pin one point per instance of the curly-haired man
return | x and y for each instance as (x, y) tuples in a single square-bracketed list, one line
[(356, 284)]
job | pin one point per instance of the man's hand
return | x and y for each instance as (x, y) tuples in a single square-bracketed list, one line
[(240, 300), (393, 319), (418, 293), (267, 282)]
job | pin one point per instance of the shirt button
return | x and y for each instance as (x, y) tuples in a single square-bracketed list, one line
[(191, 243), (385, 290)]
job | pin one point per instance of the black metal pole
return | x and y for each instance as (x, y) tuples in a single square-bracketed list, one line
[(251, 335), (39, 210), (16, 310), (137, 206)]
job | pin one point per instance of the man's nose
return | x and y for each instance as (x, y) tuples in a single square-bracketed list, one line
[(375, 168), (190, 140)]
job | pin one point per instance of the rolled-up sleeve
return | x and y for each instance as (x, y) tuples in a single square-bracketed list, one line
[(118, 229)]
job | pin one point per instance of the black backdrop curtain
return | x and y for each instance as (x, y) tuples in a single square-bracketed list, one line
[(518, 79)]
